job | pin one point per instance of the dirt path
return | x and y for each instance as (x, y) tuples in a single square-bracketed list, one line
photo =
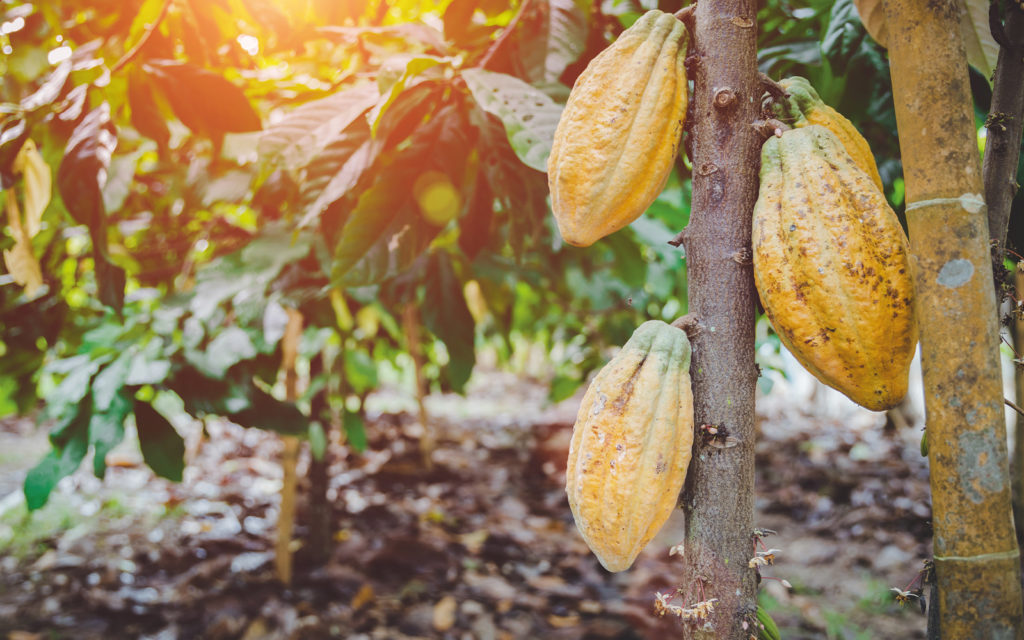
[(481, 547)]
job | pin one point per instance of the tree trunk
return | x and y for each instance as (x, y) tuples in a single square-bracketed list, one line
[(719, 495), (977, 562), (320, 542), (411, 328), (1017, 464), (1002, 146), (290, 455)]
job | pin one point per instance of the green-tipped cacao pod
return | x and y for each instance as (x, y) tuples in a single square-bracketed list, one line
[(832, 267), (617, 139), (631, 445), (809, 109)]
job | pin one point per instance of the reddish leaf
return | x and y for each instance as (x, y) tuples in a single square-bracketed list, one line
[(204, 101)]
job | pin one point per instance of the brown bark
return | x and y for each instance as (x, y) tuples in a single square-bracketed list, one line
[(976, 554), (1002, 146), (719, 495), (1017, 463)]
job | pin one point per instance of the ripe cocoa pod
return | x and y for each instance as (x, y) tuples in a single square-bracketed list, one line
[(832, 269), (631, 445), (808, 108), (617, 138)]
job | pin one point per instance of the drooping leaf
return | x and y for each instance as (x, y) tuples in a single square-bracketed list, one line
[(360, 370), (308, 129), (446, 314), (50, 89), (413, 67), (162, 446), (61, 461), (555, 39), (146, 116), (355, 430), (529, 115), (228, 348), (204, 101), (38, 185), (377, 208), (106, 428), (83, 171)]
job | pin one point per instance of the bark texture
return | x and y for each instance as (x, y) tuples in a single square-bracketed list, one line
[(976, 554), (719, 496), (1002, 146)]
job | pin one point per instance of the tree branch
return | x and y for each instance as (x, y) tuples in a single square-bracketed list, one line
[(150, 28)]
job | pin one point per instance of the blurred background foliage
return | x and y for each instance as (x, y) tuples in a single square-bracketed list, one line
[(215, 163)]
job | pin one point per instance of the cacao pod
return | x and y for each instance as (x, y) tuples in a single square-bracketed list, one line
[(631, 445), (809, 109), (832, 269), (617, 138)]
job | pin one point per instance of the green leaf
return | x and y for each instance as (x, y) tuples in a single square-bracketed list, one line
[(562, 387), (447, 316), (308, 129), (317, 441), (355, 430), (228, 348), (267, 412), (360, 370), (61, 461), (162, 447), (529, 115), (109, 381), (377, 208), (106, 428), (146, 115)]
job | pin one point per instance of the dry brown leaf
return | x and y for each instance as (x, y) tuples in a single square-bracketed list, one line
[(38, 185), (444, 613)]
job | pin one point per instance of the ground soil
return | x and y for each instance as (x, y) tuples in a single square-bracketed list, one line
[(481, 546)]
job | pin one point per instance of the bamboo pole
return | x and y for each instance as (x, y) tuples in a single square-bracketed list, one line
[(977, 562)]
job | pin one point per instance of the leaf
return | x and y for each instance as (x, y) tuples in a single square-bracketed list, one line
[(83, 171), (355, 164), (556, 41), (529, 115), (162, 446), (843, 37), (228, 348), (447, 316), (317, 440), (355, 430), (378, 206), (205, 102), (38, 185), (269, 413), (307, 130), (562, 387), (399, 34), (414, 67), (106, 428), (146, 116), (50, 90), (360, 370), (13, 134), (20, 261), (59, 462), (109, 381)]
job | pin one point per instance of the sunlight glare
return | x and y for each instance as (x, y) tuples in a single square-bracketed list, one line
[(250, 44), (59, 55)]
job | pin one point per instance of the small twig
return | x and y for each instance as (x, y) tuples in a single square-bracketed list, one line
[(150, 28), (773, 88), (509, 30), (1013, 406), (770, 127), (689, 324)]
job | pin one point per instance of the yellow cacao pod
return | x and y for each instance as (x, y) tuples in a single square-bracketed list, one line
[(631, 445), (809, 109), (832, 269), (617, 138)]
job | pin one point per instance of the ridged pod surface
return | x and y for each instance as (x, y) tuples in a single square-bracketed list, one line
[(832, 269), (631, 445), (806, 102), (617, 138)]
